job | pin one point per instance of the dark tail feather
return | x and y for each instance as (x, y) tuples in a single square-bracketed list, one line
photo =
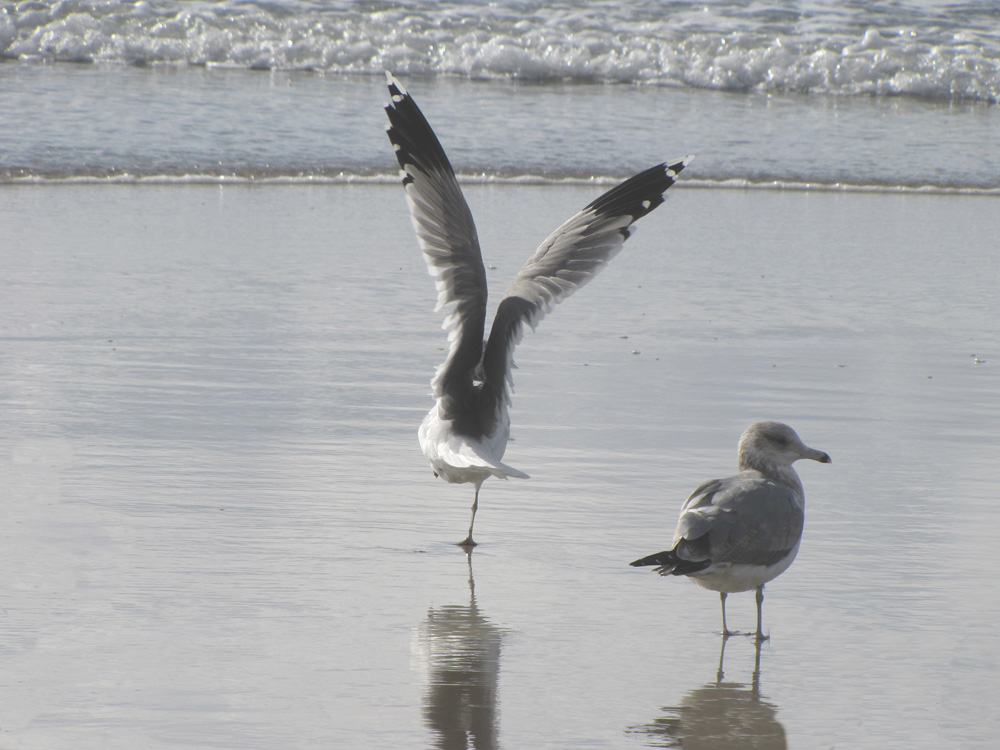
[(667, 557), (669, 564)]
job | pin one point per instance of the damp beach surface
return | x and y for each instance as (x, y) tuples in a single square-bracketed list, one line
[(220, 532)]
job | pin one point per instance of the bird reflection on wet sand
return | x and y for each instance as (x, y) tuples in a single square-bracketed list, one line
[(461, 649), (719, 716)]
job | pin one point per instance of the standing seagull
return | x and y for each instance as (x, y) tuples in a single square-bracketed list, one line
[(738, 533), (465, 434)]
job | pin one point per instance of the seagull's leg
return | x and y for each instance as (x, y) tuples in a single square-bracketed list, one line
[(467, 542), (760, 604), (726, 632)]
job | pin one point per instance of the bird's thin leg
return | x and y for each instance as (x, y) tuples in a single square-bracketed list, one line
[(468, 542), (760, 604), (726, 632)]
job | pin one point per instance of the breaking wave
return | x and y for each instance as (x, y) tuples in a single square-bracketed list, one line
[(921, 49)]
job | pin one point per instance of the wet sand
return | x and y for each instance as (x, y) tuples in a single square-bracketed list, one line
[(220, 531)]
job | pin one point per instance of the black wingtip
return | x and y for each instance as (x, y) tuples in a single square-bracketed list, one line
[(410, 133), (396, 93), (395, 87), (641, 193), (678, 167)]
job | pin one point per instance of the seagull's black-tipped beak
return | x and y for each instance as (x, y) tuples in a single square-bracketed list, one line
[(822, 457)]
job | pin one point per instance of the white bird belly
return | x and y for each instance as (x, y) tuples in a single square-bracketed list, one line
[(731, 578)]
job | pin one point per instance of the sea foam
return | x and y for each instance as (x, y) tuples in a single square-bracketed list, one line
[(945, 54)]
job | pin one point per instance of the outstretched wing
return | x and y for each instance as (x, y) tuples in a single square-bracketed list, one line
[(570, 257), (447, 235)]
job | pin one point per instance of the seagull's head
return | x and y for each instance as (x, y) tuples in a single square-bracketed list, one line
[(774, 444)]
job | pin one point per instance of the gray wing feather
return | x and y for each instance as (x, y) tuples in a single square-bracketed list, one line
[(741, 519), (570, 257), (447, 235)]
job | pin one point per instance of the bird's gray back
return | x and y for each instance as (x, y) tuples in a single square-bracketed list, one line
[(745, 518)]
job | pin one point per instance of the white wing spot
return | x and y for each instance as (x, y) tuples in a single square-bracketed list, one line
[(397, 98), (646, 204)]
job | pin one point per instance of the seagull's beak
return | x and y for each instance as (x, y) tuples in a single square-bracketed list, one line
[(816, 455)]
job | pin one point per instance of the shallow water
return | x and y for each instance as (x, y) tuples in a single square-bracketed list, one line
[(220, 530), (102, 123)]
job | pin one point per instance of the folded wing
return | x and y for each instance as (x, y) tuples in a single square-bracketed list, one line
[(743, 519)]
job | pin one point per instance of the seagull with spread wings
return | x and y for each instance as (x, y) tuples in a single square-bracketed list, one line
[(465, 434)]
